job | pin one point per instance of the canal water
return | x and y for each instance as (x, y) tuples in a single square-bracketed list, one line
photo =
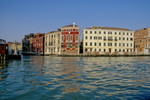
[(75, 78)]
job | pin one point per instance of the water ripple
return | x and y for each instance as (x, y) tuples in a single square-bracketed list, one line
[(75, 78)]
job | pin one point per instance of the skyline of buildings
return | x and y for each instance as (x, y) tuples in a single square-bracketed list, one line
[(96, 40)]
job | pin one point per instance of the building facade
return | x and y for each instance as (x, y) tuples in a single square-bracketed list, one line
[(27, 45), (3, 47), (70, 39), (53, 43), (65, 40), (142, 41), (108, 40), (38, 43), (14, 48)]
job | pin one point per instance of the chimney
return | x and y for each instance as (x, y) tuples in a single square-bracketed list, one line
[(74, 24)]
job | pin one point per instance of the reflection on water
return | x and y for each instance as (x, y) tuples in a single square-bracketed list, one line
[(75, 78), (3, 69)]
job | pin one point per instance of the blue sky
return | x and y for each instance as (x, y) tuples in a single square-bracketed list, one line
[(20, 17)]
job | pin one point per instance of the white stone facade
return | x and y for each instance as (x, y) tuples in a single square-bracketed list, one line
[(53, 43), (108, 40)]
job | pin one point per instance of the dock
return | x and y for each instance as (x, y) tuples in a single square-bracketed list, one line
[(10, 57)]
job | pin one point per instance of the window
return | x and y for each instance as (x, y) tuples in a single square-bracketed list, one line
[(127, 44), (71, 38), (130, 33), (86, 32), (99, 50), (62, 45), (99, 32), (127, 33), (86, 44), (123, 38), (91, 32), (115, 33), (95, 43), (86, 37), (104, 32), (90, 43), (95, 32), (123, 44), (115, 38), (119, 50), (119, 38), (99, 44), (85, 49), (104, 38), (104, 44), (127, 39), (66, 37), (115, 44), (110, 38), (90, 37), (109, 44), (104, 50), (99, 37), (131, 44), (109, 32), (131, 39), (119, 33), (119, 44), (76, 45), (95, 37), (123, 33), (91, 49), (77, 38)]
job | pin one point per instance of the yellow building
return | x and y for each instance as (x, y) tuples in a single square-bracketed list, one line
[(108, 40), (53, 43)]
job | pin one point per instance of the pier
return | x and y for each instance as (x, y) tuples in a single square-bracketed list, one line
[(10, 57)]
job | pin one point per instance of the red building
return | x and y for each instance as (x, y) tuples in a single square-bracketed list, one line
[(70, 39), (3, 47), (38, 43)]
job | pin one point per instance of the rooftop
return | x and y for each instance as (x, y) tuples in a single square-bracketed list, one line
[(108, 28), (70, 26), (53, 32), (2, 41), (17, 43)]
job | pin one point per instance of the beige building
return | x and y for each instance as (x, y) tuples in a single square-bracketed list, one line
[(64, 41), (53, 43), (108, 40)]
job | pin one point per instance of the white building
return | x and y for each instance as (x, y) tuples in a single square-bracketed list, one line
[(108, 40), (53, 43)]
